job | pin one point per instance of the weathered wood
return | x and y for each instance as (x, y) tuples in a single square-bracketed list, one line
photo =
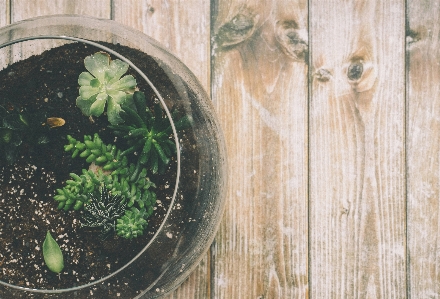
[(260, 91), (5, 12), (5, 19), (423, 147), (183, 28), (24, 9), (357, 166)]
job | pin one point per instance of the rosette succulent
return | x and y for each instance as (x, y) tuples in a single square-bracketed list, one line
[(104, 85)]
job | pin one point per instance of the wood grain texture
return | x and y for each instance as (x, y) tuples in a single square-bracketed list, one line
[(24, 9), (5, 19), (183, 27), (5, 12), (423, 147), (357, 166), (259, 89)]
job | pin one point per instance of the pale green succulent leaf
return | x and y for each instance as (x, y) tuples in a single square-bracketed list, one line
[(97, 108), (117, 96), (86, 92), (85, 104), (126, 84), (85, 78), (97, 64), (95, 83), (115, 71), (53, 256), (113, 110)]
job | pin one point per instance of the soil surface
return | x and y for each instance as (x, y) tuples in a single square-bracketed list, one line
[(48, 82)]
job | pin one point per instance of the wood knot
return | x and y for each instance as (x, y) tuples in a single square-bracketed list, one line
[(361, 72), (413, 37), (323, 75), (355, 70), (292, 40), (241, 27)]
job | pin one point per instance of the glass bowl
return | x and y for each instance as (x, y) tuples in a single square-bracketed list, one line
[(195, 208)]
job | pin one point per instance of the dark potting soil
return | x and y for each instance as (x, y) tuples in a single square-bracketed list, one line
[(27, 210)]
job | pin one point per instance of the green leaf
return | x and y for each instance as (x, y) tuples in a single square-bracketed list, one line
[(115, 71), (85, 78), (117, 96), (84, 105), (87, 91), (53, 257), (97, 108), (126, 83), (113, 110), (96, 64), (5, 135)]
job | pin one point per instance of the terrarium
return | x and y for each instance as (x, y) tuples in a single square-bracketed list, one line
[(111, 158)]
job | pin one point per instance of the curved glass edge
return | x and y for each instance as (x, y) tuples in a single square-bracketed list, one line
[(98, 29)]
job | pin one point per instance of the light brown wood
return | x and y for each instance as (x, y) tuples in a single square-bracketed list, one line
[(260, 91), (357, 166), (183, 29), (5, 13), (423, 146), (24, 9), (4, 20)]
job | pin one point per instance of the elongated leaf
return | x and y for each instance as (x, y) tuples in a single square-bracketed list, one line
[(53, 257)]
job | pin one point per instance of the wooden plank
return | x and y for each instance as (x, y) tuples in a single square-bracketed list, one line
[(259, 88), (5, 12), (184, 29), (357, 169), (423, 147), (24, 9)]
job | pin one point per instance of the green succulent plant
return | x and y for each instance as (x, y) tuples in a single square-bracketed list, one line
[(52, 254), (102, 211), (120, 177), (103, 85), (17, 127), (149, 133), (132, 224)]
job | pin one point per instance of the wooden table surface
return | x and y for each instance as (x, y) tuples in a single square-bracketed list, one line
[(331, 114)]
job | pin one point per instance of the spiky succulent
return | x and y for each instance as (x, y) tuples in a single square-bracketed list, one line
[(102, 85), (102, 211), (149, 133)]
